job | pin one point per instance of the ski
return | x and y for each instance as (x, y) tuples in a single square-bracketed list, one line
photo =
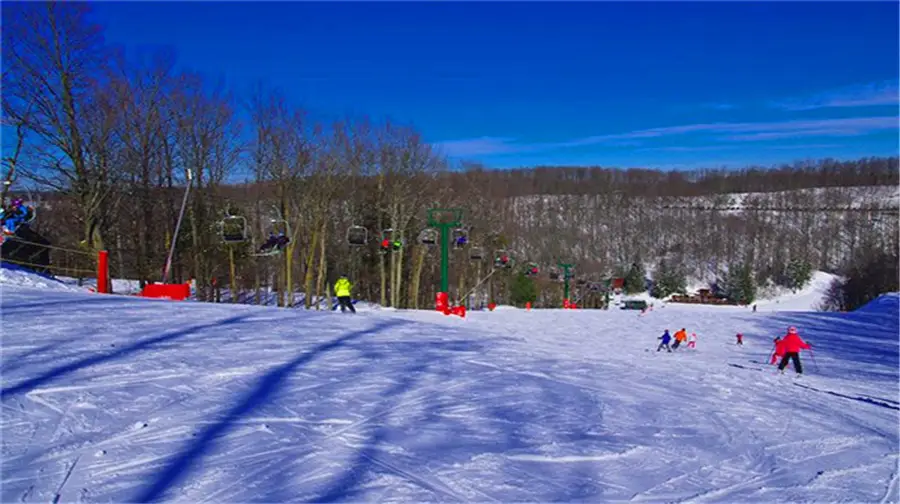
[(875, 401), (745, 367)]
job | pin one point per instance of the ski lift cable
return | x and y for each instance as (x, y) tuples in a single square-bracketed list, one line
[(473, 289)]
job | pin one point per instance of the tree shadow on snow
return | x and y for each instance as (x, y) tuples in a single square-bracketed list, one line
[(421, 357), (145, 344), (13, 362), (420, 407), (491, 415), (265, 388), (866, 340), (19, 309)]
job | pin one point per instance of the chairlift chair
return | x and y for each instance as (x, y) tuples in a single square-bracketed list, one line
[(554, 275), (233, 229), (502, 259), (476, 253), (581, 282), (279, 226), (357, 236), (279, 236), (30, 213), (428, 236), (460, 238), (532, 270), (27, 219), (388, 242)]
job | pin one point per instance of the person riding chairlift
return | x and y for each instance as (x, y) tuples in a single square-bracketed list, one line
[(278, 242), (15, 215), (388, 244)]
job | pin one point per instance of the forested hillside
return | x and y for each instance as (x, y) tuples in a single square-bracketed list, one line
[(108, 143)]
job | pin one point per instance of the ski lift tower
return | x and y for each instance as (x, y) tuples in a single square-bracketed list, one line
[(566, 275), (444, 219)]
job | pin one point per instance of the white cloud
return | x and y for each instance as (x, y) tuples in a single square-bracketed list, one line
[(736, 132), (875, 93), (480, 146)]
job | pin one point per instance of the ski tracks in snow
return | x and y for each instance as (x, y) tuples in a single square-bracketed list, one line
[(506, 406)]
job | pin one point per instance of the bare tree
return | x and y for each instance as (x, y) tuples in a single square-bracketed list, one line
[(406, 167), (53, 59)]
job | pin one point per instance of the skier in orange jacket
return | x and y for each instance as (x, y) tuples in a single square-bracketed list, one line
[(679, 336)]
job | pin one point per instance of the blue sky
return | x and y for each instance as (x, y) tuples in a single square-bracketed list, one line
[(669, 85)]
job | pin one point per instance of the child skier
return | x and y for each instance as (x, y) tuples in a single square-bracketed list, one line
[(779, 350), (679, 337), (692, 340), (740, 339), (792, 346), (666, 338)]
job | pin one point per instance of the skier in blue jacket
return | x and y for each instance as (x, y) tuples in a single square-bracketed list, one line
[(666, 338), (16, 214)]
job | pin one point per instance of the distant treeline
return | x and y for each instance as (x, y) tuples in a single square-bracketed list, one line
[(871, 171)]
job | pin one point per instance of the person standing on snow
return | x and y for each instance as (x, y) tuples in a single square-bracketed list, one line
[(792, 346), (779, 350), (680, 336), (740, 339), (666, 338), (342, 290)]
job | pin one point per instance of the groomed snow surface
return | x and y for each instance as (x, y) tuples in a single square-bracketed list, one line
[(121, 399)]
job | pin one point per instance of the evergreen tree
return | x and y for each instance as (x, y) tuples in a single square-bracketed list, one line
[(668, 279), (635, 279), (740, 285), (797, 274), (523, 290)]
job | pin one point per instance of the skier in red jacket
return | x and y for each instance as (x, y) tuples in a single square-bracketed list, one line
[(779, 350), (792, 346)]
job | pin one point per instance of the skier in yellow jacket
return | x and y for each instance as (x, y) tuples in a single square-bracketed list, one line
[(342, 290)]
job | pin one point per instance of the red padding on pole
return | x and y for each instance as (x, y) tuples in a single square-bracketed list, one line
[(442, 302), (177, 292), (103, 272)]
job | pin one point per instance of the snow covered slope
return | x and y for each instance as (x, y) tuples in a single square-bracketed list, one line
[(115, 398), (808, 298), (12, 275)]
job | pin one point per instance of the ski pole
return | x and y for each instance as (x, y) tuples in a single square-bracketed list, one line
[(813, 357)]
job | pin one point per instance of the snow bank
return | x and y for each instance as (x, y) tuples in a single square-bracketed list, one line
[(885, 304), (12, 275)]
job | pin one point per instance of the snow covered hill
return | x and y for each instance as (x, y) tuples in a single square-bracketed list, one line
[(116, 398), (11, 275)]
